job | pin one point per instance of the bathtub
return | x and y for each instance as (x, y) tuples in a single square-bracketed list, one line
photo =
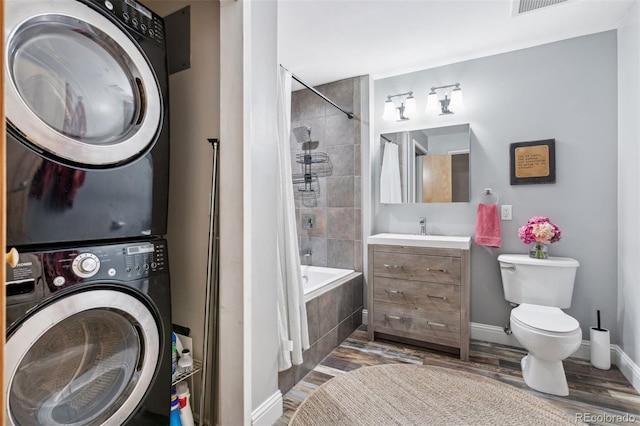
[(318, 279)]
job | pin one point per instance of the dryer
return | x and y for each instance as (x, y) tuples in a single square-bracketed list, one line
[(86, 99), (89, 336)]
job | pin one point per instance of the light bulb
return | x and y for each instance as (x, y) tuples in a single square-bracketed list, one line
[(457, 103), (390, 112)]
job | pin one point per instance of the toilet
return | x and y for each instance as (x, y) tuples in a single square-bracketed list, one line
[(542, 288)]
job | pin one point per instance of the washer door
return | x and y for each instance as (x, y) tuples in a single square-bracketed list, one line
[(85, 359), (78, 89)]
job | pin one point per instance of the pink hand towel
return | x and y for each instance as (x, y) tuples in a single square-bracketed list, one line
[(488, 226)]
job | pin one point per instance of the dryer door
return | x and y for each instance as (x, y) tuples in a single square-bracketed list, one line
[(77, 88), (87, 358)]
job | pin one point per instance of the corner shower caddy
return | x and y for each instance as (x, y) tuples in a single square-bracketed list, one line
[(314, 165)]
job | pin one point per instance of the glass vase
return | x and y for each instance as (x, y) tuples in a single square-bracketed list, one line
[(539, 250)]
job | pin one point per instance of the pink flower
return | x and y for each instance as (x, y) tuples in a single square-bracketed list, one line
[(539, 230)]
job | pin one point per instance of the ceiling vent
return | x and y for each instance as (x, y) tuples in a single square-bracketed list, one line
[(524, 6)]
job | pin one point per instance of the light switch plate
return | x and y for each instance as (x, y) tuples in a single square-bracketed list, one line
[(505, 212)]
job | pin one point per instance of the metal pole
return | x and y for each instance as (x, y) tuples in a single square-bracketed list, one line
[(211, 281), (296, 78)]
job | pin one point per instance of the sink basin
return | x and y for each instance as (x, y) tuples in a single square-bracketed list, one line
[(434, 241)]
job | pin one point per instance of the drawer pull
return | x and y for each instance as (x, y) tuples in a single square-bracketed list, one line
[(437, 324), (396, 317), (392, 266), (436, 297), (444, 271), (391, 291)]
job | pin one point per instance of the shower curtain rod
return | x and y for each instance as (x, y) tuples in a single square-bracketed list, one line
[(296, 78)]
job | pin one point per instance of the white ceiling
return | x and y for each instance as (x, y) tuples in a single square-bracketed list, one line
[(327, 40)]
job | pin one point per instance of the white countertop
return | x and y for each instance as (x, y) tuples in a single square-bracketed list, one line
[(415, 240)]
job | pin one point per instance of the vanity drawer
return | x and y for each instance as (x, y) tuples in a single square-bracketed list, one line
[(436, 326), (417, 267), (421, 294)]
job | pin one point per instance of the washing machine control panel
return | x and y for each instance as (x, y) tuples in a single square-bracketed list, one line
[(135, 15), (86, 265), (116, 262)]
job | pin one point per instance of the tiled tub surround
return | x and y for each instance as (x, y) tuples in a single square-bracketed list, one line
[(331, 315), (336, 239)]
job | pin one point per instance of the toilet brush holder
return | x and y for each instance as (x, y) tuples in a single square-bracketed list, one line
[(600, 348)]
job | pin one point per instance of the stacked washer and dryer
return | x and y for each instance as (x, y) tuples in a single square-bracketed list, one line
[(88, 304)]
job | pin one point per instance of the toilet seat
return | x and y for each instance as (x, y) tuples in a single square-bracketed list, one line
[(548, 319)]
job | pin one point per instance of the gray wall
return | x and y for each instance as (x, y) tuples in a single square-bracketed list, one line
[(194, 116), (629, 178), (336, 240), (565, 90)]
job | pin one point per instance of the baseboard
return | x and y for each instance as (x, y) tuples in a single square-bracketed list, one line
[(493, 334), (269, 411), (629, 369)]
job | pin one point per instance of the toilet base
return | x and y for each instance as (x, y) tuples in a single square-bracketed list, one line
[(544, 375)]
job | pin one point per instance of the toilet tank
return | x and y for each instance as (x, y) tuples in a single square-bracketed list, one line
[(547, 282)]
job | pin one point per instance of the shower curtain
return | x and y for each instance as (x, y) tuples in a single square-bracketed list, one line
[(390, 191), (293, 333)]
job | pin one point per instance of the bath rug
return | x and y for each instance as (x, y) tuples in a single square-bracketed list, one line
[(423, 395)]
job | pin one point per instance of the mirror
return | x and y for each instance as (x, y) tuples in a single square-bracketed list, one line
[(432, 165)]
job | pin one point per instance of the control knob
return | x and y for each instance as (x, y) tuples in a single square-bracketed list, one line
[(86, 265)]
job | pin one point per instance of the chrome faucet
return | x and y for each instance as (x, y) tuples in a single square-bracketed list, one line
[(423, 226)]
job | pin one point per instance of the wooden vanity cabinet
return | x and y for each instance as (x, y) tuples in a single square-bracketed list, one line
[(419, 295)]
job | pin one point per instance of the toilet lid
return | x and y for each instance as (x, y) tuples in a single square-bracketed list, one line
[(545, 318)]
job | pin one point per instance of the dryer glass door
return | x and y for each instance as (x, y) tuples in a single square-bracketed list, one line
[(78, 88), (88, 358)]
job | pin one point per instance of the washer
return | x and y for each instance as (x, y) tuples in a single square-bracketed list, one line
[(89, 336), (86, 97)]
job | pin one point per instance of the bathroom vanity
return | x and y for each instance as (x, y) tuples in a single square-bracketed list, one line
[(419, 290)]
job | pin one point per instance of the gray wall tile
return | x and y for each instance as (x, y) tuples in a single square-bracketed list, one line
[(305, 104), (342, 158), (357, 192), (328, 305), (357, 262), (345, 300), (340, 130), (313, 320), (342, 93), (340, 254), (358, 293), (340, 191), (340, 223)]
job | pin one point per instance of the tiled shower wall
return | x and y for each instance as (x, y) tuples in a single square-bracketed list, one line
[(336, 240)]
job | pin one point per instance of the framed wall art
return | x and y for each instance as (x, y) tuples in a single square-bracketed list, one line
[(533, 162)]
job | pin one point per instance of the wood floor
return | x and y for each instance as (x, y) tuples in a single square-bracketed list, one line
[(600, 397)]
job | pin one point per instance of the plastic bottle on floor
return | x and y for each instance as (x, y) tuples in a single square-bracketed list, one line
[(186, 415), (174, 418)]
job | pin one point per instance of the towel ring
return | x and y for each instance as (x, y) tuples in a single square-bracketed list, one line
[(488, 193)]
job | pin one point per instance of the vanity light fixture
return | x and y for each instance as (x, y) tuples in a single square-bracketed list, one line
[(451, 102), (404, 112)]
